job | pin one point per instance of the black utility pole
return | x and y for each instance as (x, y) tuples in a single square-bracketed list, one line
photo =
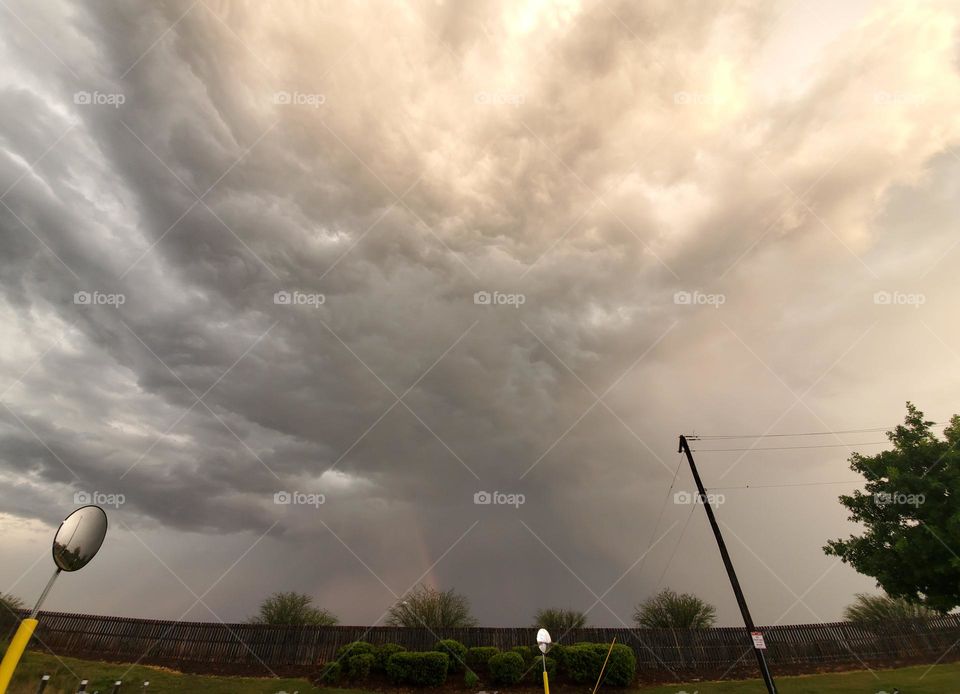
[(735, 584)]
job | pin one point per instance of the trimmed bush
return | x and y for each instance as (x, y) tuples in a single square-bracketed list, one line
[(427, 669), (622, 668), (525, 652), (383, 655), (479, 656), (359, 666), (470, 679), (506, 668), (557, 652), (455, 650), (355, 648), (582, 663), (330, 673), (535, 670)]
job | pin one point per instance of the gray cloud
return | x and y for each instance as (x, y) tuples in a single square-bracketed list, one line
[(594, 159)]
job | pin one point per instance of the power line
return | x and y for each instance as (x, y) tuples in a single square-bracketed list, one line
[(663, 507), (790, 448), (683, 530), (704, 437), (792, 484)]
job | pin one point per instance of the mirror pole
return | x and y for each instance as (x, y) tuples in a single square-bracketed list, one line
[(43, 595), (18, 644)]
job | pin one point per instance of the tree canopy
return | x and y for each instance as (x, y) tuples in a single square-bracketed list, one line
[(910, 514), (883, 608), (559, 621), (293, 608), (432, 608), (670, 610)]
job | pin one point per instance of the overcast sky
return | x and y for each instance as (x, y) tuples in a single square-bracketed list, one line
[(241, 246)]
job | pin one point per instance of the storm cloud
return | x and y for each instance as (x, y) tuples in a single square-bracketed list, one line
[(398, 255)]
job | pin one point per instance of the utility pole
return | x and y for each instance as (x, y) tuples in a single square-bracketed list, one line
[(756, 637)]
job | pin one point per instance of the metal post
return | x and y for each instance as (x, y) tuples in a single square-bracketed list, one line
[(145, 685), (44, 681), (116, 687), (83, 686), (43, 595), (734, 583)]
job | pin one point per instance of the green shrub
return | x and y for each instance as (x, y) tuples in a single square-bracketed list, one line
[(470, 679), (383, 655), (330, 673), (557, 652), (479, 656), (418, 669), (535, 670), (582, 663), (506, 668), (622, 667), (359, 666), (526, 653), (355, 648), (456, 651)]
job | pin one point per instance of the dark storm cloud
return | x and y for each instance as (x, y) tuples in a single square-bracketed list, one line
[(595, 160)]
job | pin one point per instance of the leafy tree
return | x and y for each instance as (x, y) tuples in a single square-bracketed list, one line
[(10, 603), (559, 621), (293, 608), (432, 608), (911, 515), (670, 610), (883, 608)]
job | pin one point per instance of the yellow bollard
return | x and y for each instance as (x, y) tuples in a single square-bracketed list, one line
[(18, 645), (546, 684)]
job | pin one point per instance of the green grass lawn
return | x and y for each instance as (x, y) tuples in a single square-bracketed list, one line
[(101, 677), (941, 679)]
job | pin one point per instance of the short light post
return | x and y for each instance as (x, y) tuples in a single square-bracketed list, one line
[(77, 541)]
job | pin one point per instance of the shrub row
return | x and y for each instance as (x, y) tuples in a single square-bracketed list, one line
[(427, 669), (357, 660), (579, 663)]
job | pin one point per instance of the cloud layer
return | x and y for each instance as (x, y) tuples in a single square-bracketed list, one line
[(243, 249)]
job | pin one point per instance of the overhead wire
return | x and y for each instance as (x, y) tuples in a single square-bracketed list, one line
[(869, 430), (663, 507), (675, 547), (789, 484), (717, 437), (790, 448)]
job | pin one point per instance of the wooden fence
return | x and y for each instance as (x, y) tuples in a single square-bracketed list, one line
[(661, 653)]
